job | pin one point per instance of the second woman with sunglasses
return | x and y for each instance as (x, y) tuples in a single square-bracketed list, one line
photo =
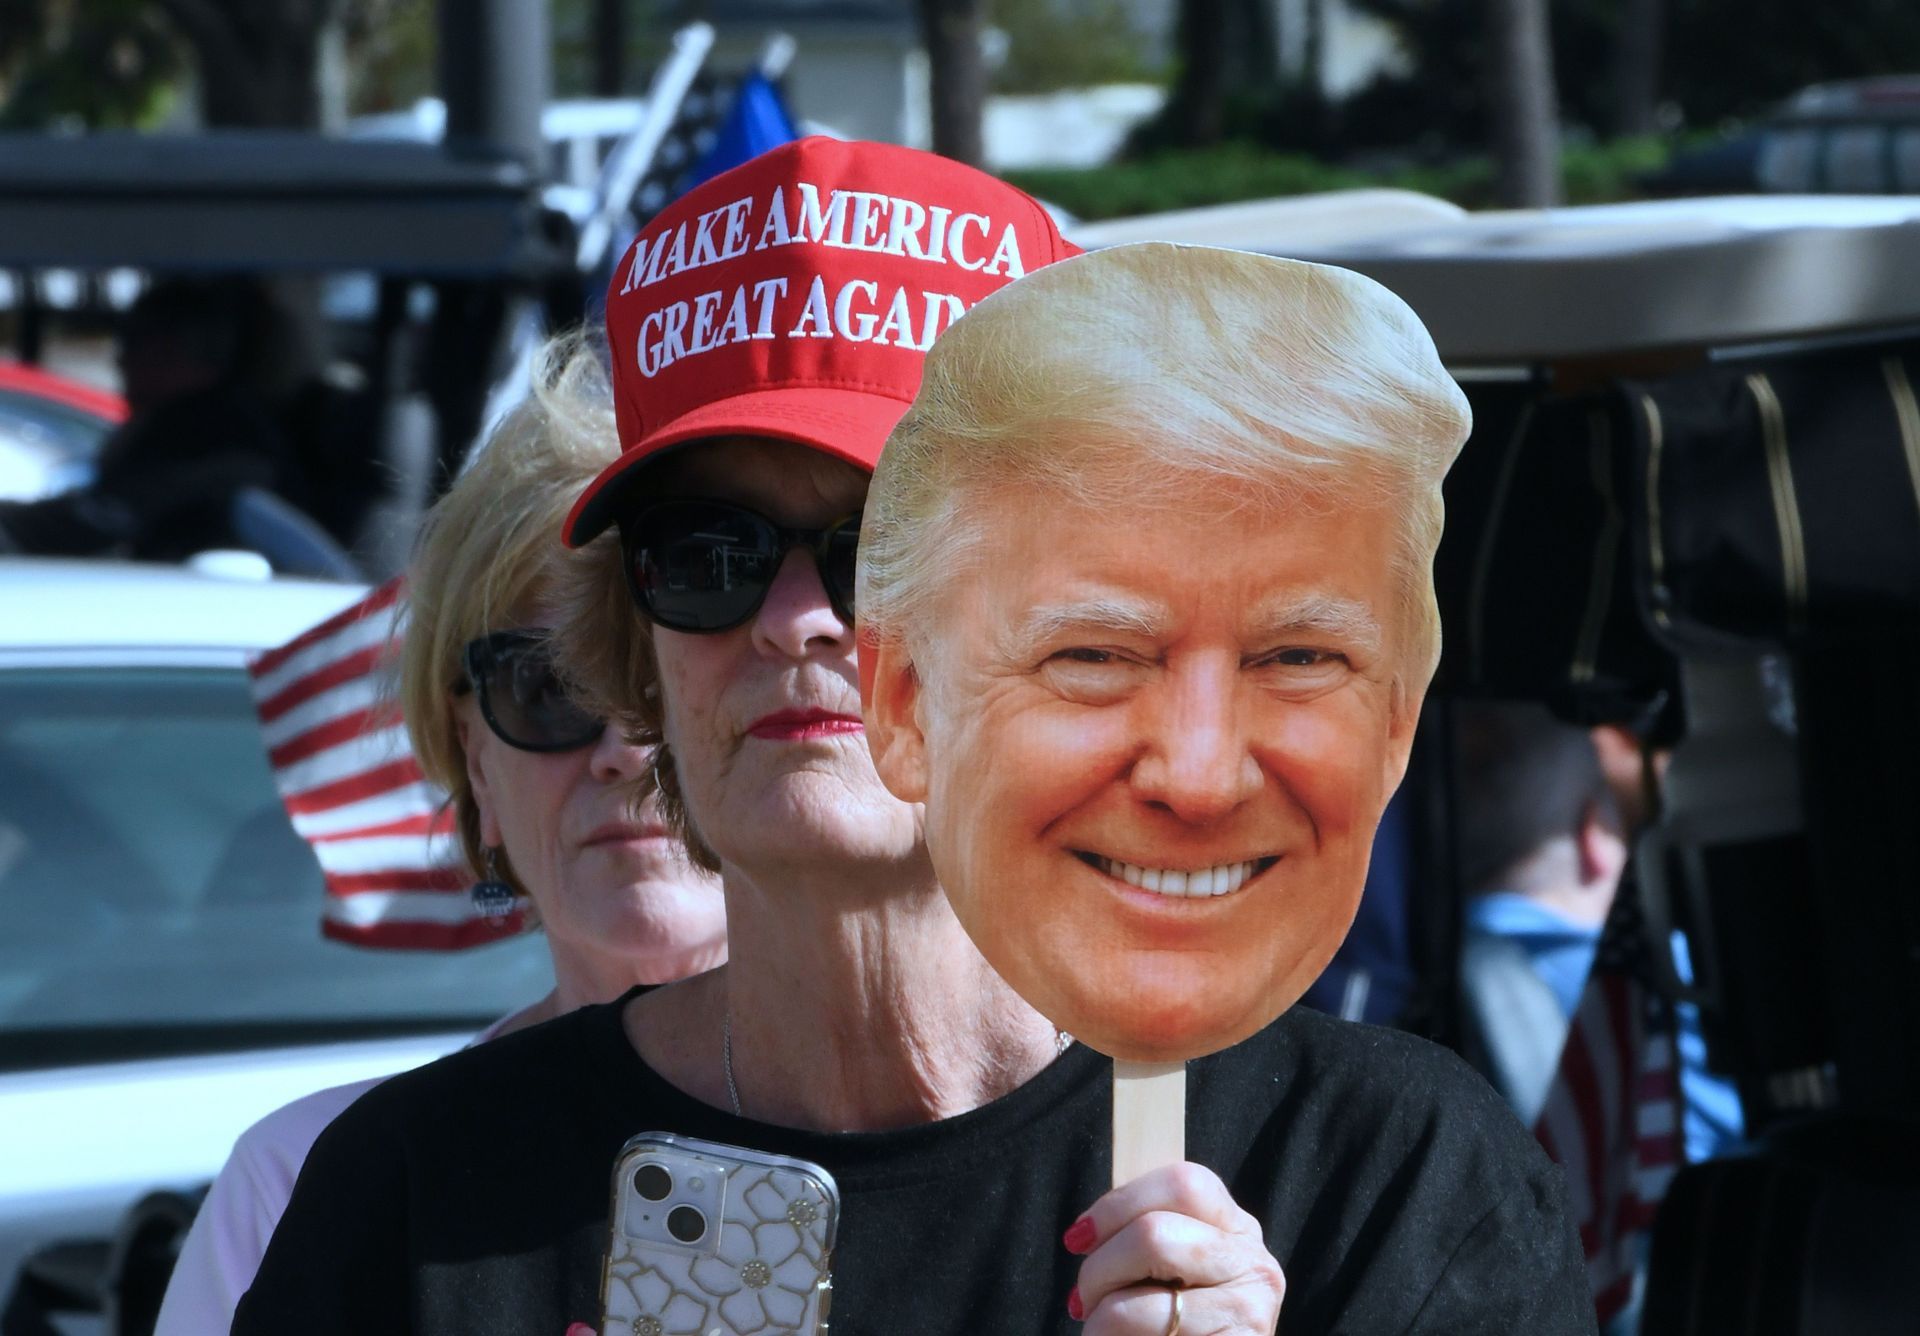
[(541, 788)]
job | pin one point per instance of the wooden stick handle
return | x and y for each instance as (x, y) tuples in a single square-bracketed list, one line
[(1149, 1117)]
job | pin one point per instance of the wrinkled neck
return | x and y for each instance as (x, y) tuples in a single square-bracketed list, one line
[(854, 1007)]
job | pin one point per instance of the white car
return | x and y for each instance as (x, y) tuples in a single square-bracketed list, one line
[(163, 980)]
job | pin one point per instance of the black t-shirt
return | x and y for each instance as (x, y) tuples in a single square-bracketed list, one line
[(471, 1196)]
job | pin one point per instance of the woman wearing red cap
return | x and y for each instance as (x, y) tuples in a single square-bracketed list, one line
[(767, 332)]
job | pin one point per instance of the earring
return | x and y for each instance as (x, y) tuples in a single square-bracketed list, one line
[(659, 767), (492, 895)]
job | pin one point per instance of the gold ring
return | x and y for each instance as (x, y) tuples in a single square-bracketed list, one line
[(1173, 1317)]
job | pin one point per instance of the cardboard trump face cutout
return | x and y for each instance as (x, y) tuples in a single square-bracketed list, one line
[(1147, 618)]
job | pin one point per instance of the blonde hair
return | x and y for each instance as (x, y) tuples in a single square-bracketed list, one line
[(491, 546), (606, 646), (1164, 375)]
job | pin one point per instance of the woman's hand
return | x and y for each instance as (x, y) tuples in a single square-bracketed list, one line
[(1174, 1228)]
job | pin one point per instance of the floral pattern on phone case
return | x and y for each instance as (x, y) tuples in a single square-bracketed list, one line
[(770, 1273)]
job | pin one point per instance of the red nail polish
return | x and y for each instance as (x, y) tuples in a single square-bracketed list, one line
[(1079, 1239), (1075, 1309)]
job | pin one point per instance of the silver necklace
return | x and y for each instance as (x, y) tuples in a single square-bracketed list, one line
[(1062, 1042), (726, 1059)]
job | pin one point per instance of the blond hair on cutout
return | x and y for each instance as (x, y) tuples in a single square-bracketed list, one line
[(1156, 375), (489, 553)]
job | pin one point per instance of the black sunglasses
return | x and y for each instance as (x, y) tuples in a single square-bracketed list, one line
[(706, 566), (521, 697)]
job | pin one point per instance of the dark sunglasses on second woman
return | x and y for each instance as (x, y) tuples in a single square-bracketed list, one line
[(706, 566), (521, 697)]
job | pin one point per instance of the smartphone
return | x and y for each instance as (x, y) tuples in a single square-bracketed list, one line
[(712, 1240)]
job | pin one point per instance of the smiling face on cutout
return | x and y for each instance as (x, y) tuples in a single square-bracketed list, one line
[(1154, 748)]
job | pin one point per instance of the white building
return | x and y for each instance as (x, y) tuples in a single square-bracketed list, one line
[(859, 70)]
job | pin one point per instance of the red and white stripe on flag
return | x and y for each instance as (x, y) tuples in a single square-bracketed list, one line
[(383, 834), (1611, 1121)]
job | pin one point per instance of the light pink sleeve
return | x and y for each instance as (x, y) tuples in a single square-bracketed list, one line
[(229, 1235), (222, 1250)]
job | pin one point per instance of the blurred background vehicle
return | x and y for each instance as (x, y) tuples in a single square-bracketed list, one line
[(1850, 137), (163, 979), (376, 421), (438, 263), (51, 428), (1690, 510)]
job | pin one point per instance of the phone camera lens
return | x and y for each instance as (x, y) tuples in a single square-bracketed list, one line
[(652, 1182), (686, 1224)]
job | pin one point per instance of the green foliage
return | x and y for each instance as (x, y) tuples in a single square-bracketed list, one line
[(571, 23), (122, 63), (1055, 44), (1592, 174), (96, 65), (1721, 59), (390, 53), (1736, 58), (1601, 173), (111, 64)]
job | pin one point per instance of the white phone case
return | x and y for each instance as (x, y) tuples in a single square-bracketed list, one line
[(765, 1271)]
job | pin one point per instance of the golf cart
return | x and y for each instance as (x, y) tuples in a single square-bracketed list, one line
[(1692, 501), (1691, 504), (425, 272)]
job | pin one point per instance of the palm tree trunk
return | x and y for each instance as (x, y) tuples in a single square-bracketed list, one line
[(1636, 68), (950, 30), (1526, 127)]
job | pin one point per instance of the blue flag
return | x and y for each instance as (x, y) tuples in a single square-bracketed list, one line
[(757, 122)]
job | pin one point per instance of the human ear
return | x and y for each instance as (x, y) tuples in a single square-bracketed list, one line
[(889, 697), (1603, 849), (1403, 721), (477, 782)]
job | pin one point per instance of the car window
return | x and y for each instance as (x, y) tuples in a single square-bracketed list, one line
[(45, 447), (156, 900), (63, 427)]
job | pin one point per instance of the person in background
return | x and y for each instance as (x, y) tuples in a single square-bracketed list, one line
[(1712, 1120), (1372, 976), (541, 789), (199, 432), (1542, 847)]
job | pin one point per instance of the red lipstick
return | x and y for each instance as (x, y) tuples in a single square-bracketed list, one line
[(797, 725), (626, 832)]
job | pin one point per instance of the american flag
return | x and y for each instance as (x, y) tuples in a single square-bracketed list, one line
[(1611, 1119), (384, 836)]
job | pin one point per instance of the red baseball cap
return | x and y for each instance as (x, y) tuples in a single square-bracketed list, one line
[(795, 296)]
